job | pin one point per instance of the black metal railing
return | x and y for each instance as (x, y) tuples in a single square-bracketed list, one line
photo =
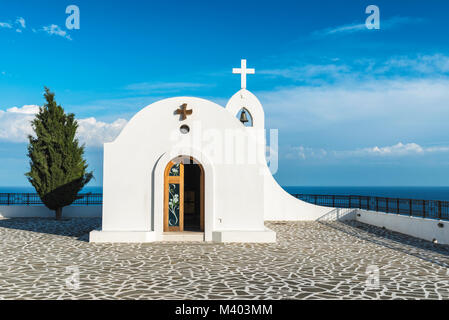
[(433, 209), (32, 199)]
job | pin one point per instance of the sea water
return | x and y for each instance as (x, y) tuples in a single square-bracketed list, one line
[(421, 193)]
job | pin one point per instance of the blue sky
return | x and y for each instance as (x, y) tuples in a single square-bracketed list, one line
[(353, 106)]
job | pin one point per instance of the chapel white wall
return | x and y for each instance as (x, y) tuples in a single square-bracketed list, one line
[(241, 192), (130, 165)]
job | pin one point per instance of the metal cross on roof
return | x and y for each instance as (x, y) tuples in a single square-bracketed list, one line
[(243, 71)]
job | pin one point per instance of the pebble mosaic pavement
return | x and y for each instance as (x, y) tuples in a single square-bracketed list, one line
[(311, 260)]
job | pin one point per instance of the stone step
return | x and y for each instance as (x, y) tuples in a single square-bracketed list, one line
[(183, 236)]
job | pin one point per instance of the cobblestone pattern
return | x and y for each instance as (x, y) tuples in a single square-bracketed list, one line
[(311, 260)]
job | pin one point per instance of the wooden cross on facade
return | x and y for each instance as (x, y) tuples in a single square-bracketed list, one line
[(183, 112)]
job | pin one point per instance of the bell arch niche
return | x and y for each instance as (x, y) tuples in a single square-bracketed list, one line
[(184, 195), (248, 102), (245, 117)]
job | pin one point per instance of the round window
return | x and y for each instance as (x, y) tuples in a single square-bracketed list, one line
[(184, 129)]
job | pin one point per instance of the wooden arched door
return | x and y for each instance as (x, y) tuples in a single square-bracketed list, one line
[(183, 196)]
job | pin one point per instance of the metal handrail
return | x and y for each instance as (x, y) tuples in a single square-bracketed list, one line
[(33, 199), (433, 209)]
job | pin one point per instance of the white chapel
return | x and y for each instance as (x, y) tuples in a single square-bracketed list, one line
[(188, 169)]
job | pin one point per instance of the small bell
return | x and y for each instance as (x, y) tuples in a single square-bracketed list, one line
[(243, 118)]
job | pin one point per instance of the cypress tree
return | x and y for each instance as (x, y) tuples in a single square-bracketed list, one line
[(57, 167)]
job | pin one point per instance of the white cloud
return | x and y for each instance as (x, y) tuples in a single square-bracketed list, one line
[(310, 71), (397, 150), (371, 103), (27, 109), (5, 25), (345, 29), (423, 64), (361, 112), (57, 31), (20, 25), (15, 123), (21, 22), (359, 27), (95, 133), (15, 126), (158, 87), (417, 66), (304, 153)]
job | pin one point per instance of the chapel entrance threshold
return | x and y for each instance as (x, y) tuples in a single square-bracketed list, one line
[(185, 236)]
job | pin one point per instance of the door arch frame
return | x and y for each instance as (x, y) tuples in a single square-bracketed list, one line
[(182, 160), (156, 199)]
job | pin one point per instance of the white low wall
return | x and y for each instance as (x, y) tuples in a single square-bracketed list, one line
[(44, 212), (426, 229), (339, 214)]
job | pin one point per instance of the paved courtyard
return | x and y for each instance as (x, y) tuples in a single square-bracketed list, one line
[(40, 258)]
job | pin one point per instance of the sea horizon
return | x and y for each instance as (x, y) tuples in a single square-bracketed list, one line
[(407, 192)]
